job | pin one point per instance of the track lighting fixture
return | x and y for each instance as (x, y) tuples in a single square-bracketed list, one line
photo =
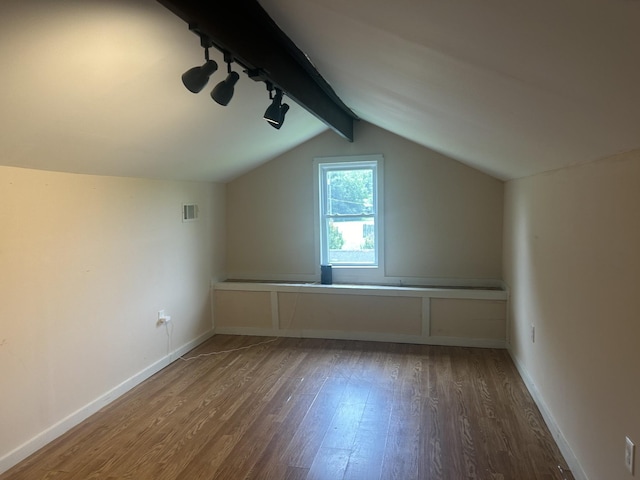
[(196, 78), (223, 92), (263, 52), (277, 110)]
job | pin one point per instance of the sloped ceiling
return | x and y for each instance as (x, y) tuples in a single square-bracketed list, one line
[(510, 88), (93, 86)]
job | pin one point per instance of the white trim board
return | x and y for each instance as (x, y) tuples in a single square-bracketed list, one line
[(363, 336), (563, 445), (430, 282), (43, 438), (378, 290)]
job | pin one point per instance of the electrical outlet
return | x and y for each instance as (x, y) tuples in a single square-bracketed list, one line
[(163, 318), (629, 454), (533, 333)]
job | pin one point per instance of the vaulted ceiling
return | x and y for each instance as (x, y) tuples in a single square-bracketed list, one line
[(510, 88)]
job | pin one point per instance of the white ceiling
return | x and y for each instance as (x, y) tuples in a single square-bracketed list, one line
[(510, 87)]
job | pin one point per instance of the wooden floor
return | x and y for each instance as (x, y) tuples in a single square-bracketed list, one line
[(313, 409)]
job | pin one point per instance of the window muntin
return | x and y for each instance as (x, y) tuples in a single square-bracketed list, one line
[(349, 224)]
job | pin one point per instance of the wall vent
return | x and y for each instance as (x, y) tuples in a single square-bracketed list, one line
[(189, 212)]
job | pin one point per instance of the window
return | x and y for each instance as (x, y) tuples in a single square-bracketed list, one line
[(349, 219)]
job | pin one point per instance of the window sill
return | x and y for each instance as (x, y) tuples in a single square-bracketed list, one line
[(481, 293)]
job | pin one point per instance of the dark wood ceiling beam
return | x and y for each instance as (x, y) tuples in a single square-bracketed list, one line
[(244, 30)]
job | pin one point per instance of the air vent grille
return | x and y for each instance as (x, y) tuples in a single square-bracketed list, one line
[(189, 212)]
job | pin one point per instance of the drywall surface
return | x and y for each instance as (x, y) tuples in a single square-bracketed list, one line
[(443, 220), (468, 318), (572, 262), (244, 309), (86, 263), (360, 313)]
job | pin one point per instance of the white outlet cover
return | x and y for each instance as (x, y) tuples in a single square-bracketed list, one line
[(533, 334)]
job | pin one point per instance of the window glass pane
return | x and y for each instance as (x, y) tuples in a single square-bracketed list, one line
[(349, 192), (351, 241)]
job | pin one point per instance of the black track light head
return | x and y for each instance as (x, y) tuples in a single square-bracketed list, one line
[(284, 108), (273, 114), (196, 78), (223, 92)]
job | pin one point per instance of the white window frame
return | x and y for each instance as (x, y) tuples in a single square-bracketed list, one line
[(350, 273)]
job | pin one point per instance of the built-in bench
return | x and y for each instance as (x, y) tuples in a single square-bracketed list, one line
[(474, 317)]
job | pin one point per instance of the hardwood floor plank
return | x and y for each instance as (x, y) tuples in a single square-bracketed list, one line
[(268, 465), (295, 473), (365, 463), (343, 428), (402, 451), (308, 437), (329, 464)]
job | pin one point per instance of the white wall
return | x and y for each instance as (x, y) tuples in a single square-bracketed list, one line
[(86, 262), (443, 220), (572, 261)]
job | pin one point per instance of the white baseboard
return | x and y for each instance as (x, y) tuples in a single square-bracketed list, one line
[(31, 446), (364, 336), (563, 445)]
